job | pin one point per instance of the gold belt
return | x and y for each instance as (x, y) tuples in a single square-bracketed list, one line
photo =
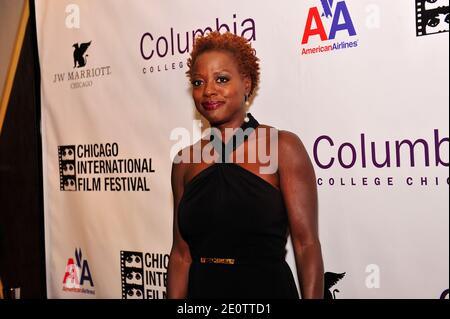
[(225, 261)]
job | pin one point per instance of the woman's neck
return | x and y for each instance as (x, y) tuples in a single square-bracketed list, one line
[(229, 127)]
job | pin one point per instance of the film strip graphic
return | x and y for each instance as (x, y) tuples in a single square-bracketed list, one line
[(132, 271), (67, 168), (432, 17)]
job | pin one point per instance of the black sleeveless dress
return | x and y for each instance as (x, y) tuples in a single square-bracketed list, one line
[(235, 224)]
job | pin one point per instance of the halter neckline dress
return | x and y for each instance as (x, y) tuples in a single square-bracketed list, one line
[(235, 224)]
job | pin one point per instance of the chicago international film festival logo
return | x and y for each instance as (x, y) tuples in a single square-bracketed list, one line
[(132, 272), (67, 175), (144, 275), (99, 167), (432, 16)]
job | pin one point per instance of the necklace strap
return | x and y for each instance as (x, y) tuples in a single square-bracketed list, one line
[(239, 137)]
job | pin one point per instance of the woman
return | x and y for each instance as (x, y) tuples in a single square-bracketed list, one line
[(230, 220)]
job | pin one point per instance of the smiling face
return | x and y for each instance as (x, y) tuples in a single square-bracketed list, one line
[(219, 89)]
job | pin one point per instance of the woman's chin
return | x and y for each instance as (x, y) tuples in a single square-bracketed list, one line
[(213, 116)]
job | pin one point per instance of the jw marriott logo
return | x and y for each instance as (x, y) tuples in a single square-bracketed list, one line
[(80, 76)]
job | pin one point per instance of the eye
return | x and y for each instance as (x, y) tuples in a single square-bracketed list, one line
[(433, 22), (222, 79), (196, 83)]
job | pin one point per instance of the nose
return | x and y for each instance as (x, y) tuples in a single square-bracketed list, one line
[(210, 88)]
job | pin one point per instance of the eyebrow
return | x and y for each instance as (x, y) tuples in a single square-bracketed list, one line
[(215, 73)]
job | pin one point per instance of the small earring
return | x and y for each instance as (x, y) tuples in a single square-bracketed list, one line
[(246, 118), (247, 103)]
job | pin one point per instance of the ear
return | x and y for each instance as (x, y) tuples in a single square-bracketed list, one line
[(247, 84)]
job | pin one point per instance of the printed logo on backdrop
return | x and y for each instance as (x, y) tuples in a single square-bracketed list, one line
[(98, 167), (143, 275), (67, 163), (167, 51), (392, 157), (329, 28), (444, 294), (77, 277), (432, 17), (331, 279), (79, 54), (81, 76)]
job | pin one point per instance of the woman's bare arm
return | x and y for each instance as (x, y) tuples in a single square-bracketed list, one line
[(298, 185), (180, 257)]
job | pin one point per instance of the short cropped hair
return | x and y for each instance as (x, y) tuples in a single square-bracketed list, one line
[(239, 47)]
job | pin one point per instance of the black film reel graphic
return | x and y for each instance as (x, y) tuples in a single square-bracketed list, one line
[(67, 168), (432, 17), (420, 8), (132, 274)]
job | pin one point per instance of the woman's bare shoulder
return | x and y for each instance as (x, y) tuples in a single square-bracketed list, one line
[(291, 148), (289, 143), (183, 162), (180, 165)]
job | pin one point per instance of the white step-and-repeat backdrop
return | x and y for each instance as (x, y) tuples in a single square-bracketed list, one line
[(364, 83)]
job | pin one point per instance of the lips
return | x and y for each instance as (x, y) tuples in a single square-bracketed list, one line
[(212, 105)]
